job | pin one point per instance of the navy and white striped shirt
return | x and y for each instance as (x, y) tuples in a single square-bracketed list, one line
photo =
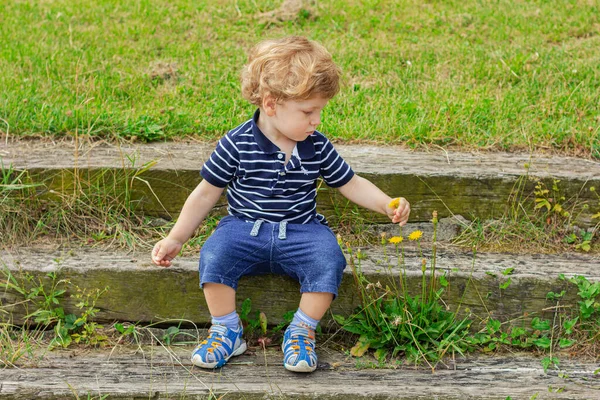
[(261, 186)]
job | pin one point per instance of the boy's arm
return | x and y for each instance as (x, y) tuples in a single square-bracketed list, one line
[(364, 193), (196, 207)]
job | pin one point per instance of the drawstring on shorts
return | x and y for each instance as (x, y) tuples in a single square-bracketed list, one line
[(256, 227), (282, 229)]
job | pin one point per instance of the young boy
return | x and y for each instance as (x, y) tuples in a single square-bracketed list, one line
[(270, 164)]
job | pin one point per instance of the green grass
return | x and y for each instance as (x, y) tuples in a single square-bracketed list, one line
[(475, 74)]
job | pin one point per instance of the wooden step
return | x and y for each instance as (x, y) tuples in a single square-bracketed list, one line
[(157, 372), (138, 291), (467, 184)]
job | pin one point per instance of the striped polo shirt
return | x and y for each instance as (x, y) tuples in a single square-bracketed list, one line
[(262, 186)]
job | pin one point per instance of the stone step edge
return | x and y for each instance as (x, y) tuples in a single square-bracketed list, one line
[(141, 292), (142, 372)]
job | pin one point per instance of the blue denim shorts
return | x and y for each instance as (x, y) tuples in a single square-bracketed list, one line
[(309, 253)]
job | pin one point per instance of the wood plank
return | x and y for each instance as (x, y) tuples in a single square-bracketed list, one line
[(141, 292), (156, 372), (468, 184)]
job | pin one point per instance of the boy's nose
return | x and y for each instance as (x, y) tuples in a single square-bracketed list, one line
[(316, 121)]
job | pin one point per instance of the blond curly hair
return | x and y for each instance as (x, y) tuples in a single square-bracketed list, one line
[(291, 68)]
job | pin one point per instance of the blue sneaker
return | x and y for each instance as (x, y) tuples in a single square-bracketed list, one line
[(221, 344), (299, 349)]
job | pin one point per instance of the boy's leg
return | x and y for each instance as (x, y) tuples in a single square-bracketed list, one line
[(219, 298), (225, 335), (312, 255), (315, 304), (299, 338), (230, 252)]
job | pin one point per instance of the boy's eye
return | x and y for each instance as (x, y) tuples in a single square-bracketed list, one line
[(307, 112)]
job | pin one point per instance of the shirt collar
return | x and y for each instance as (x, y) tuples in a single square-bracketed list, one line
[(306, 148)]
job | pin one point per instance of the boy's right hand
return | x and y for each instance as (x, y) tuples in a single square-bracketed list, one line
[(164, 251)]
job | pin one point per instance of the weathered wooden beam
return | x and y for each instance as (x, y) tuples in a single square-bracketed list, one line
[(155, 372), (141, 292), (472, 185)]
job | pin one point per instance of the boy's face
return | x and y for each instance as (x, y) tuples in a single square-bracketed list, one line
[(298, 119)]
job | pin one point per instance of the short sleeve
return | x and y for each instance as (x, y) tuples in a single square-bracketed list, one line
[(222, 164), (334, 170)]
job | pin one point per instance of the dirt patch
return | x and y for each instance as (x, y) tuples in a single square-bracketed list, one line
[(162, 72), (290, 10)]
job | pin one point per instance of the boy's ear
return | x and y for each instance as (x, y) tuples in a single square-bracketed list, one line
[(269, 104)]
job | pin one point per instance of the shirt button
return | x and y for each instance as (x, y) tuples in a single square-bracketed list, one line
[(280, 156), (282, 173)]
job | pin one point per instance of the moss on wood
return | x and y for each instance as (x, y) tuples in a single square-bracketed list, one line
[(162, 192)]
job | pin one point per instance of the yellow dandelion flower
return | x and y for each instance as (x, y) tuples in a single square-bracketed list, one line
[(396, 239), (394, 203), (416, 235)]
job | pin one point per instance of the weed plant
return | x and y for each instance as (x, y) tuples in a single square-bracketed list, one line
[(18, 343), (44, 320), (97, 207), (393, 321), (16, 192), (573, 328), (541, 221)]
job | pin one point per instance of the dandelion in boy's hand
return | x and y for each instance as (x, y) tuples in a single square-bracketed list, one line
[(396, 239), (398, 209), (416, 235)]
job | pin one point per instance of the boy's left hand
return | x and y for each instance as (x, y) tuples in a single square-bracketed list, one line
[(398, 210)]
